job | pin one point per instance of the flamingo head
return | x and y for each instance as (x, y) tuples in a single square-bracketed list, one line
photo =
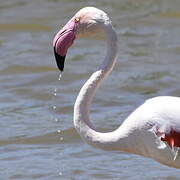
[(86, 21)]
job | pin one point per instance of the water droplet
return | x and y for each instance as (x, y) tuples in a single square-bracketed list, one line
[(54, 107), (59, 131), (55, 94), (60, 75)]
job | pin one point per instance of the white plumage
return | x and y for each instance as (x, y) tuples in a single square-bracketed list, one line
[(152, 130)]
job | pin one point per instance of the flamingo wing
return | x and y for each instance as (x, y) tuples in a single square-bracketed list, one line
[(172, 138), (166, 123)]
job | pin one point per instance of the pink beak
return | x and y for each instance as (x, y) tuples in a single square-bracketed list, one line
[(62, 41)]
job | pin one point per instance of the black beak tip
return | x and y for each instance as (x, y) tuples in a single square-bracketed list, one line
[(59, 60)]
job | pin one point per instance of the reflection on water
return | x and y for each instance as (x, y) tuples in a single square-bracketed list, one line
[(38, 140)]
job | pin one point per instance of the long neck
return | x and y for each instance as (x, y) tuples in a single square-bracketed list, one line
[(82, 123)]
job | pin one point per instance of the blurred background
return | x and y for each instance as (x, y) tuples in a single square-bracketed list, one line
[(37, 137)]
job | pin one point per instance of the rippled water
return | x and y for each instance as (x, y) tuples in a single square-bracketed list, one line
[(38, 141)]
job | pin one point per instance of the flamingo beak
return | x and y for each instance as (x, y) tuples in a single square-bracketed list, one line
[(62, 41), (59, 60)]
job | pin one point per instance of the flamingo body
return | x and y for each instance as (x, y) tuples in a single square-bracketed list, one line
[(152, 130)]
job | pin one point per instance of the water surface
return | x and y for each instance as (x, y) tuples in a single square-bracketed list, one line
[(38, 141)]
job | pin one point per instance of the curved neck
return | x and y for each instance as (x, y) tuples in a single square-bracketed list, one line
[(81, 108)]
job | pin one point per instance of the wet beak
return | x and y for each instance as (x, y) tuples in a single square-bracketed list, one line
[(62, 41), (59, 60)]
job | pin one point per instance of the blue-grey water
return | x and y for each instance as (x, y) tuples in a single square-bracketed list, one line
[(37, 137)]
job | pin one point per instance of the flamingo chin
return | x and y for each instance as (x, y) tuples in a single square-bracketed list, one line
[(152, 130)]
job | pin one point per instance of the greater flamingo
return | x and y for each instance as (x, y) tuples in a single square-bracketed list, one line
[(152, 130)]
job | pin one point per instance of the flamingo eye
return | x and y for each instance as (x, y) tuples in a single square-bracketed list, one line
[(77, 19)]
